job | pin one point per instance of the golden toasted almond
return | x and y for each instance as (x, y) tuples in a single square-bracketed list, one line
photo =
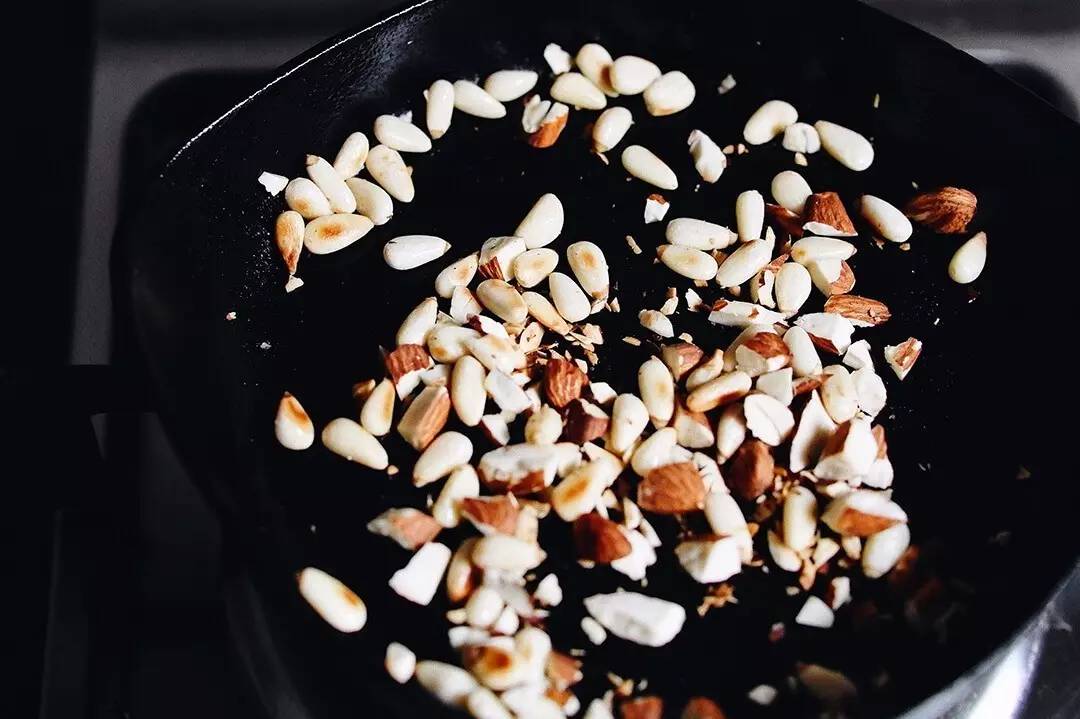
[(860, 311), (681, 357), (642, 708), (492, 514), (947, 210), (750, 472), (785, 219), (425, 417), (672, 489), (599, 539), (407, 526), (563, 381), (702, 708), (562, 670), (405, 359), (584, 422), (550, 127), (824, 212)]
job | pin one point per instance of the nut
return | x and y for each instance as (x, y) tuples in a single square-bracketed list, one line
[(847, 147), (492, 514), (670, 93), (947, 210), (611, 128), (672, 489), (575, 89), (860, 311), (750, 472), (410, 251), (473, 100), (409, 527), (335, 603), (563, 382), (861, 513), (292, 425), (902, 357), (825, 215), (440, 108), (585, 422), (681, 358), (969, 260), (768, 121), (425, 417), (688, 262), (647, 167), (599, 540), (551, 126)]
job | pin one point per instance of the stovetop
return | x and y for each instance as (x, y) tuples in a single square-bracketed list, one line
[(166, 650)]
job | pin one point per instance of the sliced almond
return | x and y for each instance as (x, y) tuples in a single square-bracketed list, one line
[(409, 527), (292, 425), (425, 417), (563, 382), (672, 489), (336, 604)]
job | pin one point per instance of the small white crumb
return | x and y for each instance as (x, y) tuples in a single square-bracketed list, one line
[(230, 316), (593, 630), (741, 149), (726, 85), (632, 341), (293, 283), (548, 591), (264, 345), (728, 150), (686, 337), (762, 694), (634, 247), (656, 207), (800, 159), (557, 58), (877, 100), (273, 183)]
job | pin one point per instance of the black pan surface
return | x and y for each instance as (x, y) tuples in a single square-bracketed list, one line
[(992, 392)]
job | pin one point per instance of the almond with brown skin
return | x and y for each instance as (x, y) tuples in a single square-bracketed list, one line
[(802, 385), (407, 526), (702, 708), (551, 126), (845, 282), (827, 209), (563, 381), (584, 422), (425, 417), (405, 359), (860, 311), (562, 670), (750, 471), (681, 357), (672, 489), (785, 219), (947, 210), (491, 514), (642, 708), (882, 446), (599, 539)]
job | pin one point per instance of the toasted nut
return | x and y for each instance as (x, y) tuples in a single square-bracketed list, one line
[(709, 159), (405, 360), (456, 274), (543, 426), (947, 210), (579, 492), (289, 237), (400, 662), (800, 519), (761, 353), (750, 217), (815, 429), (656, 322), (503, 301), (409, 527), (497, 256), (599, 540), (839, 396), (590, 268), (506, 553), (519, 468), (681, 358), (628, 419), (702, 708), (575, 89), (304, 196), (416, 325), (410, 251), (533, 266), (847, 147), (507, 394), (570, 301), (492, 515), (750, 472), (784, 556), (743, 263), (545, 313), (473, 100), (861, 513), (461, 575), (888, 222), (377, 414), (647, 167), (388, 169), (335, 603), (670, 93), (449, 684), (848, 453), (801, 137), (642, 708), (860, 311), (791, 191), (884, 549), (657, 389), (541, 226), (831, 332), (331, 233), (507, 85), (563, 382), (446, 453), (792, 287), (401, 135), (719, 391), (630, 75), (768, 121), (372, 201), (585, 422), (786, 220), (351, 157), (768, 419), (550, 126), (446, 342), (825, 215), (699, 235), (346, 438), (688, 262), (902, 357), (292, 425), (969, 260), (440, 108), (636, 617), (425, 417), (610, 128), (463, 483), (658, 450), (804, 358), (672, 489), (322, 173), (418, 580), (595, 62)]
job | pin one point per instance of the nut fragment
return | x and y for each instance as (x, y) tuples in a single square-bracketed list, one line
[(292, 425), (720, 391), (580, 491), (563, 382), (506, 553), (681, 358), (860, 311), (947, 210), (636, 617), (519, 468), (575, 89), (599, 540), (768, 419), (672, 489), (409, 527), (462, 483), (558, 60), (629, 418), (348, 439), (884, 549), (540, 227), (585, 422), (710, 559), (400, 662), (418, 580), (969, 260), (550, 127), (814, 430), (750, 471), (709, 160), (545, 313), (862, 513), (801, 138), (425, 417), (335, 603), (902, 357), (825, 215), (761, 353), (449, 684), (702, 708), (492, 514), (831, 332)]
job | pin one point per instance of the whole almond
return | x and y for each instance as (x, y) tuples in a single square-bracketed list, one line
[(672, 489), (825, 215), (425, 417), (947, 210)]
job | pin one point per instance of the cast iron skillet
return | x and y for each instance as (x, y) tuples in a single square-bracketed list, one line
[(976, 408)]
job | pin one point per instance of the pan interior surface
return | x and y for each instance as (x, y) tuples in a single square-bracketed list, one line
[(972, 413)]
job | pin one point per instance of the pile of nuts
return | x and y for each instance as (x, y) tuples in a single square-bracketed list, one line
[(777, 425)]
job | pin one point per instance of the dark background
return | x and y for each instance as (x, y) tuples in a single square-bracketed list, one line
[(86, 81)]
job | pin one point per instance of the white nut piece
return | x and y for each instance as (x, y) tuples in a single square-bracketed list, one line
[(372, 201), (749, 215), (543, 426), (791, 191), (688, 262), (610, 128), (800, 518), (446, 453), (377, 414), (558, 60), (657, 389), (804, 358), (969, 260), (463, 483), (629, 417), (456, 274), (440, 108), (335, 603), (502, 300), (401, 135), (346, 438), (292, 425), (743, 263), (483, 607), (304, 196), (410, 251), (847, 147), (575, 89), (657, 322), (533, 266), (353, 154), (814, 430), (508, 85), (792, 287), (768, 419), (730, 432), (323, 174), (630, 74), (400, 662), (668, 94), (883, 550), (709, 160), (590, 268), (768, 121), (331, 233), (801, 137), (817, 249), (449, 684), (474, 100), (572, 304), (595, 61), (644, 165), (543, 223), (887, 220), (699, 234), (418, 580), (467, 393), (388, 169), (541, 309)]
